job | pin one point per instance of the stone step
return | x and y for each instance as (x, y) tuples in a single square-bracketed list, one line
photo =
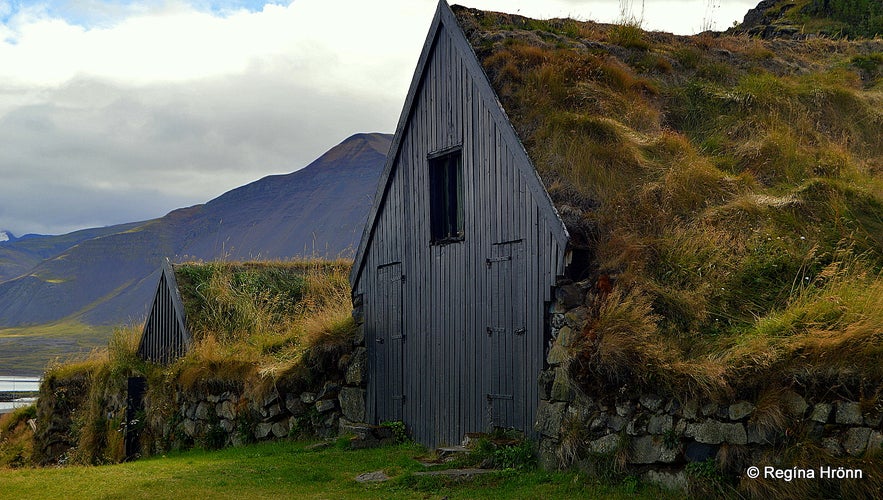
[(455, 473), (451, 453)]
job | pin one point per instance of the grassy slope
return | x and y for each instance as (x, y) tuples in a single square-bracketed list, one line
[(851, 18), (288, 470), (25, 350), (731, 189)]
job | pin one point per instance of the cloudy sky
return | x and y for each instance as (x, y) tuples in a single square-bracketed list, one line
[(116, 110)]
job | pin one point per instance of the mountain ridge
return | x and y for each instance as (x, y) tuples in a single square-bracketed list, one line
[(102, 276)]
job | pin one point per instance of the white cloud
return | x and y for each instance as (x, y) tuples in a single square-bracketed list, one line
[(117, 110)]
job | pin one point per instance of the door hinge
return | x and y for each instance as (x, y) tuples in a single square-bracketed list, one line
[(491, 260)]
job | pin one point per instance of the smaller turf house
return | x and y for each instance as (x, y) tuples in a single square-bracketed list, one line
[(165, 337), (640, 246), (231, 301)]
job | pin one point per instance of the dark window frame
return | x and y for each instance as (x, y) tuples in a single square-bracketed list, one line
[(446, 210)]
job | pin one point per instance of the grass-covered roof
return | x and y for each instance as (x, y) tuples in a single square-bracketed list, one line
[(730, 187)]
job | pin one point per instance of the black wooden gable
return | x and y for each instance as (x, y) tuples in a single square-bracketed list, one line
[(445, 19), (165, 337), (458, 260)]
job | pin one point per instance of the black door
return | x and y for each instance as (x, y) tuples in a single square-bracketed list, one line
[(505, 336), (389, 343)]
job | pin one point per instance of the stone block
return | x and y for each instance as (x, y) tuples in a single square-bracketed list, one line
[(330, 390), (325, 405), (856, 441), (567, 336), (714, 432), (545, 381), (190, 427), (625, 408), (873, 419), (849, 413), (576, 318), (330, 425), (308, 397), (691, 409), (875, 441), (651, 401), (280, 429), (616, 423), (203, 410), (237, 440), (759, 435), (557, 354), (598, 423), (557, 320), (269, 399), (294, 405), (227, 425), (605, 445), (735, 433), (352, 403), (832, 446), (562, 389), (668, 480), (709, 409), (212, 398), (549, 418), (272, 411), (547, 455), (681, 427), (821, 413), (226, 409), (795, 404), (356, 373), (568, 296), (635, 428), (650, 449), (660, 424), (740, 410), (262, 430)]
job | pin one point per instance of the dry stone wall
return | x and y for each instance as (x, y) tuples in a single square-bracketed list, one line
[(321, 400), (648, 431)]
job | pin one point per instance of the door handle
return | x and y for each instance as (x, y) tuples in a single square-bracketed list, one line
[(379, 340)]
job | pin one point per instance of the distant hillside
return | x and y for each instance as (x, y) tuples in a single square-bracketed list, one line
[(106, 276), (828, 18)]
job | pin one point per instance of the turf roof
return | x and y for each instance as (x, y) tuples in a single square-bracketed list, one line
[(729, 187)]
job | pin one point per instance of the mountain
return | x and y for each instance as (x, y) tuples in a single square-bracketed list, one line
[(6, 236), (106, 276), (801, 19)]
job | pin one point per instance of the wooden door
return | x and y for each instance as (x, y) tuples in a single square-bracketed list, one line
[(505, 340), (389, 344)]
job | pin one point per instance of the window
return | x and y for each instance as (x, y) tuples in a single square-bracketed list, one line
[(446, 196)]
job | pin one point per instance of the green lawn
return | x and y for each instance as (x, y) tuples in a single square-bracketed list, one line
[(289, 470)]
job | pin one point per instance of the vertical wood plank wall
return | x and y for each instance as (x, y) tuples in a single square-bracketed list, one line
[(450, 293), (163, 339)]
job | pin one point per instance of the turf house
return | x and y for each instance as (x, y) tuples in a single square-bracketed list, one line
[(611, 239)]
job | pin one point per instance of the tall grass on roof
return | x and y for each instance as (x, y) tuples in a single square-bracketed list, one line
[(729, 188), (252, 319)]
